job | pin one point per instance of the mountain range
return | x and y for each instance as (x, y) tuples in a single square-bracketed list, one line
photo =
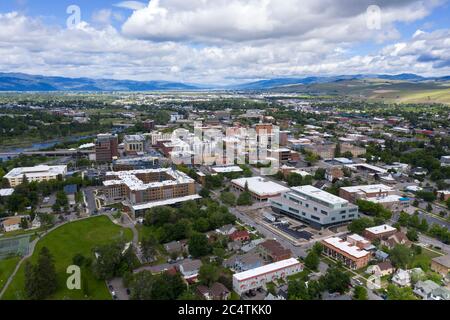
[(26, 82)]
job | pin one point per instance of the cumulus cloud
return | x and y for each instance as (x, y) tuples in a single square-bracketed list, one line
[(201, 41), (132, 5)]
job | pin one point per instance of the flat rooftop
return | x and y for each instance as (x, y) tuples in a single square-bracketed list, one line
[(381, 229), (316, 193), (346, 247), (260, 186), (130, 179), (227, 169), (266, 269), (6, 192), (37, 171), (369, 188), (166, 202), (367, 166)]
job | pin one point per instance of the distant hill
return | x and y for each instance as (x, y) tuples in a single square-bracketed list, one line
[(25, 82)]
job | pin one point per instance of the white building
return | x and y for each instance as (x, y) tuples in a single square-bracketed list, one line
[(38, 173), (12, 224), (260, 188), (259, 277), (314, 206)]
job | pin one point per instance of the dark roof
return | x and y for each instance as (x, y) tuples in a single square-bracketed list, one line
[(385, 265), (274, 248), (70, 189), (218, 289)]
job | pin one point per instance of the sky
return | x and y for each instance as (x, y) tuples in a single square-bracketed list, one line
[(224, 41)]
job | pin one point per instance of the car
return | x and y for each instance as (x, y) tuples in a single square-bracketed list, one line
[(111, 288), (128, 291)]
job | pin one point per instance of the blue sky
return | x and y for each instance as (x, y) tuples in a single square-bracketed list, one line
[(217, 40)]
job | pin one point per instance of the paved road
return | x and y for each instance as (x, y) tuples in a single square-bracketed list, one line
[(435, 243), (90, 199)]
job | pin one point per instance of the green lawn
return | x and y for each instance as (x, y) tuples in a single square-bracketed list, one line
[(6, 269), (64, 243)]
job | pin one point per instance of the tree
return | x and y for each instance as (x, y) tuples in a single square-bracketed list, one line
[(336, 280), (426, 195), (208, 274), (245, 199), (112, 261), (423, 227), (41, 280), (412, 235), (297, 290), (337, 150), (317, 248), (312, 260), (403, 219), (348, 154), (359, 225), (205, 193), (24, 223), (198, 245), (320, 174), (228, 198), (401, 256), (397, 293), (294, 179), (360, 293), (149, 245)]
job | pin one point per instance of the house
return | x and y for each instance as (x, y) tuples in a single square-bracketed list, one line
[(381, 255), (381, 269), (190, 269), (252, 245), (174, 247), (234, 245), (402, 278), (240, 235), (440, 293), (244, 262), (12, 224), (216, 292), (273, 251), (441, 265), (395, 239), (226, 230), (424, 289)]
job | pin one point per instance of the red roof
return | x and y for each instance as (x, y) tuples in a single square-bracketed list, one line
[(239, 235)]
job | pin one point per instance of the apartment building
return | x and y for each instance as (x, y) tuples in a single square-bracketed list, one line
[(350, 254), (258, 278), (314, 206), (381, 232), (106, 147), (37, 173), (140, 190)]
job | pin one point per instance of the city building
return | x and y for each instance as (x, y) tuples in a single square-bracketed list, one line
[(136, 163), (37, 173), (140, 190), (106, 147), (379, 232), (259, 277), (134, 144), (260, 188), (149, 125), (240, 235), (377, 193), (314, 206), (351, 255)]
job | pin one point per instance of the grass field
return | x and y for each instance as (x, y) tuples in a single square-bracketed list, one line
[(66, 241), (6, 269)]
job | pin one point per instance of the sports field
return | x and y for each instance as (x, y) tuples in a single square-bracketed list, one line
[(64, 243)]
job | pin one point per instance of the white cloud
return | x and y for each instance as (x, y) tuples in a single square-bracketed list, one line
[(208, 45), (132, 5)]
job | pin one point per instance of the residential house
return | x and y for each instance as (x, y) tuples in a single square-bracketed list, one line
[(226, 230), (396, 239), (240, 235), (381, 269), (440, 293), (273, 251), (244, 262), (190, 269), (216, 292), (424, 289), (441, 265), (402, 278), (12, 224), (174, 247)]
